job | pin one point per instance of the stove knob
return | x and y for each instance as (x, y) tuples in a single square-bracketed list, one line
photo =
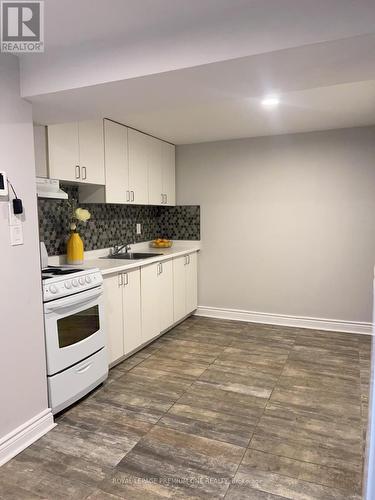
[(68, 284), (82, 280), (74, 282), (53, 289), (88, 279)]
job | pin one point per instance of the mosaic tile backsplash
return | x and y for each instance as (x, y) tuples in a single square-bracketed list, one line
[(112, 224)]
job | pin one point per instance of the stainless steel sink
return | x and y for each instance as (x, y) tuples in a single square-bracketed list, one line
[(132, 256)]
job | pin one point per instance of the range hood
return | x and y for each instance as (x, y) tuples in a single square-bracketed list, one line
[(49, 188)]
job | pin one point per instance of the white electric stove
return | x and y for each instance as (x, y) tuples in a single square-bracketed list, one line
[(75, 335)]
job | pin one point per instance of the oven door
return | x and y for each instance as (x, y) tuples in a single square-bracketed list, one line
[(73, 328)]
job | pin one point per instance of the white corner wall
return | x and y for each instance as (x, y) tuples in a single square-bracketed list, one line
[(24, 413), (287, 226)]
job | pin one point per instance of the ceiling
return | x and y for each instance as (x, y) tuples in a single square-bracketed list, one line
[(197, 71)]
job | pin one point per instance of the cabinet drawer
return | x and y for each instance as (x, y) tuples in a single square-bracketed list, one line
[(83, 377)]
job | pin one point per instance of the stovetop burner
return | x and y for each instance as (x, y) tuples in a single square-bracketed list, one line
[(58, 271), (50, 272)]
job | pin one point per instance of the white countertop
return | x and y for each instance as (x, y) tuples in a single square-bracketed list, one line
[(108, 266)]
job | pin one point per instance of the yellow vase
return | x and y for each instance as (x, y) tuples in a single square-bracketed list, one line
[(74, 249)]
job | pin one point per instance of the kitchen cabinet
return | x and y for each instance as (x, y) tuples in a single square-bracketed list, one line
[(156, 299), (155, 172), (91, 152), (63, 151), (40, 150), (185, 284), (142, 303), (122, 302), (168, 173), (161, 177), (76, 152), (112, 163), (138, 154), (116, 163)]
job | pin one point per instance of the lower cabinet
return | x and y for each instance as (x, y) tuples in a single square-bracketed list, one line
[(142, 303), (157, 298), (122, 299), (185, 284)]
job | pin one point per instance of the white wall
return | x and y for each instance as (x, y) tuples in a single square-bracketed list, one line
[(23, 386), (287, 222)]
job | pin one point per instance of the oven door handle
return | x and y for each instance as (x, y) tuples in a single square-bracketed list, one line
[(73, 300), (84, 368)]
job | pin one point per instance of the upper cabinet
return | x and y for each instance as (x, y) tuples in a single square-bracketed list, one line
[(91, 151), (161, 173), (63, 151), (116, 163), (139, 147), (131, 167), (168, 173), (76, 152), (155, 171)]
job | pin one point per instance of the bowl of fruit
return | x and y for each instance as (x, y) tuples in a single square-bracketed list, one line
[(161, 243)]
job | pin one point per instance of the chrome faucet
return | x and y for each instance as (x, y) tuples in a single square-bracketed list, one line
[(118, 249)]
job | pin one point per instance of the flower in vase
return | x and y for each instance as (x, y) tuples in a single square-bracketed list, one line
[(81, 214)]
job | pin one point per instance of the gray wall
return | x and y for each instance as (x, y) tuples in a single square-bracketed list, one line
[(287, 222), (23, 392)]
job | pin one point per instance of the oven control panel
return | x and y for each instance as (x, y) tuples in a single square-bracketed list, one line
[(58, 287)]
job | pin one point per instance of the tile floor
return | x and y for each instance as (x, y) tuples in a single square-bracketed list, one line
[(212, 409)]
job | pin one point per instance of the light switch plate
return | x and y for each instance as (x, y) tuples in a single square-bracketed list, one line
[(16, 235), (14, 220)]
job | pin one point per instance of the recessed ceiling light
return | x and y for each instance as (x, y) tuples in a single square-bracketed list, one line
[(270, 101)]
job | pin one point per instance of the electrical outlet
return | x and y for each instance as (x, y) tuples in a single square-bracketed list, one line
[(138, 228)]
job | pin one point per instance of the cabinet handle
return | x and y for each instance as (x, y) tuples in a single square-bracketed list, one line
[(126, 279), (185, 263), (84, 173), (162, 198), (120, 280), (188, 259), (132, 195), (127, 195), (161, 268), (78, 172), (83, 368)]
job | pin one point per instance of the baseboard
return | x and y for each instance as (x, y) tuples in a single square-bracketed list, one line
[(24, 435), (286, 320)]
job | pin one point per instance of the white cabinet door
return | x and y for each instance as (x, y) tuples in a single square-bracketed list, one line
[(113, 310), (165, 293), (138, 147), (179, 288), (155, 172), (116, 162), (185, 285), (91, 151), (191, 283), (169, 173), (63, 152), (150, 302), (132, 310)]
